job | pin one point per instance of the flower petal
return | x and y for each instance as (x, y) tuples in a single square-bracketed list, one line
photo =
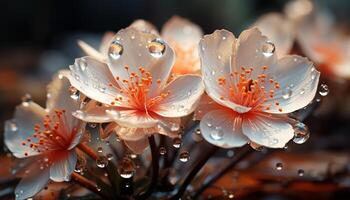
[(206, 104), (33, 183), (298, 81), (216, 51), (252, 49), (90, 51), (105, 42), (223, 128), (279, 30), (131, 118), (130, 134), (137, 146), (21, 127), (138, 50), (144, 26), (93, 112), (64, 167), (268, 131), (182, 32), (93, 78), (185, 92)]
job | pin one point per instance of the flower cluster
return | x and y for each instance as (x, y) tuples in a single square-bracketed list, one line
[(141, 85)]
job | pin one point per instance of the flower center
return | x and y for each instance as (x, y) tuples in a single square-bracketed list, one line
[(51, 135), (136, 90), (248, 91)]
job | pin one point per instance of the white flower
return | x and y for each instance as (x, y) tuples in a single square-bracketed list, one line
[(46, 137), (251, 89), (134, 88)]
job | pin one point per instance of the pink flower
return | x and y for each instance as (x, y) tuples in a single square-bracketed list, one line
[(251, 90), (46, 138), (134, 90), (181, 34)]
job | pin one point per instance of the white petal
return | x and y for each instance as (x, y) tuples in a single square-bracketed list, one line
[(279, 30), (132, 118), (250, 52), (21, 127), (136, 53), (92, 78), (223, 128), (167, 126), (185, 92), (182, 32), (137, 146), (297, 77), (206, 104), (130, 134), (267, 131), (76, 139), (145, 26), (64, 167), (93, 113), (90, 51), (32, 184), (215, 52)]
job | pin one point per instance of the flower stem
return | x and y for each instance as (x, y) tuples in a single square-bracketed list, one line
[(87, 150), (86, 183), (241, 155), (194, 171), (155, 168)]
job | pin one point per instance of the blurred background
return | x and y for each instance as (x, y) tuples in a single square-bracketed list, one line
[(39, 37)]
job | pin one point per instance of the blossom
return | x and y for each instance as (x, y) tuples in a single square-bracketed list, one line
[(181, 34), (251, 90), (134, 90), (46, 138)]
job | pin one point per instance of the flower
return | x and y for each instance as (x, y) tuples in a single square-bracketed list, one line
[(251, 90), (46, 138), (181, 34), (134, 90)]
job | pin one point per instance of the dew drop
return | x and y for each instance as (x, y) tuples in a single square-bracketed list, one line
[(217, 133), (184, 156), (102, 89), (13, 127), (268, 49), (98, 188), (74, 93), (126, 168), (156, 48), (177, 142), (162, 150), (82, 64), (301, 172), (100, 149), (115, 50), (93, 125), (109, 156), (230, 153), (133, 156), (323, 91), (279, 166), (102, 162), (301, 133), (26, 99), (287, 93), (302, 91), (231, 196)]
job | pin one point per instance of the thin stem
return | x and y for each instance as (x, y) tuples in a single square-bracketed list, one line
[(194, 171), (241, 155), (87, 150), (155, 168), (86, 183)]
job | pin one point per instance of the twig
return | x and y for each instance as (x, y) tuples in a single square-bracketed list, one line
[(84, 182)]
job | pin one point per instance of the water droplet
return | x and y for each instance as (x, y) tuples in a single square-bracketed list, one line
[(74, 93), (213, 72), (174, 126), (92, 125), (102, 162), (287, 93), (102, 89), (256, 146), (177, 142), (82, 64), (26, 99), (231, 196), (126, 168), (217, 133), (323, 91), (279, 166), (301, 133), (133, 156), (109, 156), (301, 172), (162, 150), (156, 48), (115, 50), (268, 49), (302, 91), (184, 156), (230, 153), (98, 188), (13, 126), (60, 76), (100, 149), (223, 38)]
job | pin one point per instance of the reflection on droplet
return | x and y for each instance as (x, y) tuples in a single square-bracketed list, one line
[(217, 133), (323, 91), (301, 172), (162, 150), (184, 156), (115, 50), (156, 48), (13, 126), (279, 166), (287, 93), (177, 142), (26, 99), (100, 149), (301, 133), (74, 93), (102, 162), (268, 49), (126, 168)]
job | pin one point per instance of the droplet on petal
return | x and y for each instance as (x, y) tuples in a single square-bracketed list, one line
[(301, 133), (279, 166), (323, 90), (217, 133), (126, 168), (115, 50), (268, 49), (177, 142), (13, 126), (102, 162), (26, 99), (74, 93), (184, 156), (287, 93), (301, 172), (156, 48)]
